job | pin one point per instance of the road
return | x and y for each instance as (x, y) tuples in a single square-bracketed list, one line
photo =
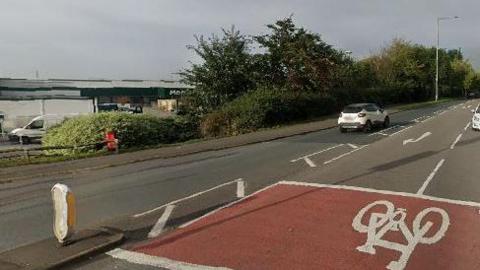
[(442, 164)]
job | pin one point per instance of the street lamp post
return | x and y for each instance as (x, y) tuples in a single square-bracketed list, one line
[(438, 48)]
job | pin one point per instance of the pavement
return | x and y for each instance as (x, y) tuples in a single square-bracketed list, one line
[(422, 153)]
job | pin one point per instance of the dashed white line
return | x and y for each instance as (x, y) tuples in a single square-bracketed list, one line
[(456, 141), (162, 221), (430, 177), (344, 155), (144, 259), (467, 126)]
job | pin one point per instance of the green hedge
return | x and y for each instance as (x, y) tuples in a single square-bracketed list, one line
[(131, 130), (265, 108)]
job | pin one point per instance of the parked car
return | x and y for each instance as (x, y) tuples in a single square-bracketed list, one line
[(363, 116), (108, 107), (35, 129), (114, 107)]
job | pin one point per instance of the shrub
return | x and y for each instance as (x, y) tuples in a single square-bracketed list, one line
[(265, 107), (131, 130)]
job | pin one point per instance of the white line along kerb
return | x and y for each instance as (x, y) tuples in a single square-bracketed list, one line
[(144, 259), (430, 177)]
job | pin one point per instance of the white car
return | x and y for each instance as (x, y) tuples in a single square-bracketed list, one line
[(476, 119), (36, 129), (363, 116)]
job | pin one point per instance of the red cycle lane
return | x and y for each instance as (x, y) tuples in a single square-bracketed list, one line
[(308, 226)]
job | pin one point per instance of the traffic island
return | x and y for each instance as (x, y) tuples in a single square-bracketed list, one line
[(48, 254)]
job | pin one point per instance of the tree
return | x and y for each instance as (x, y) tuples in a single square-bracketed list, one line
[(224, 73), (296, 59)]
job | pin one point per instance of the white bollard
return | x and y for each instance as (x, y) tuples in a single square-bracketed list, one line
[(64, 216)]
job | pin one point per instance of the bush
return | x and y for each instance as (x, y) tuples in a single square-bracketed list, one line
[(131, 130), (265, 107)]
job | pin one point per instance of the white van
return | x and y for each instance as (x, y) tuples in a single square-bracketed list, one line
[(36, 129)]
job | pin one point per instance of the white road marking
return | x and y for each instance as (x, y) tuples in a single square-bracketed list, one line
[(381, 132), (352, 145), (310, 162), (307, 157), (162, 221), (344, 155), (394, 220), (427, 119), (144, 259), (426, 134), (226, 206), (456, 141), (240, 188), (384, 192), (188, 197), (400, 131), (430, 177), (316, 153), (467, 126)]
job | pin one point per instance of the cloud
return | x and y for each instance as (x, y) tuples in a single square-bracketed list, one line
[(146, 39)]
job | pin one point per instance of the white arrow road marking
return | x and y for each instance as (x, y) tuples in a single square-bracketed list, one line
[(426, 134), (162, 221)]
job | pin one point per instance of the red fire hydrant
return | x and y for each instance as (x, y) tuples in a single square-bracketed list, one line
[(112, 142)]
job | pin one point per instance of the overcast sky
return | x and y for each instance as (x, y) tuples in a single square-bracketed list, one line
[(146, 39)]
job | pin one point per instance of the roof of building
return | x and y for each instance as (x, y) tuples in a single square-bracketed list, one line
[(8, 83)]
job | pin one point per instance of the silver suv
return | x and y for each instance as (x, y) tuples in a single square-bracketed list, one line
[(363, 116)]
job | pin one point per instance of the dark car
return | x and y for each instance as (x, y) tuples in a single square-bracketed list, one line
[(473, 94)]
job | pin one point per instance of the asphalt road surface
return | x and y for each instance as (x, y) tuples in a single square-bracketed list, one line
[(428, 151)]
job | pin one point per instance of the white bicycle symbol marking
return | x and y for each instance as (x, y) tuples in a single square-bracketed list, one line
[(394, 220)]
